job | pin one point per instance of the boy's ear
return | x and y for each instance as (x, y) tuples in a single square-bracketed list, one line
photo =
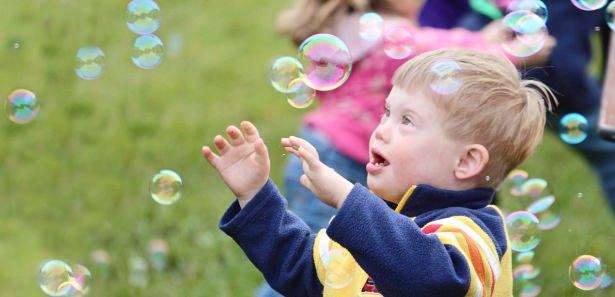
[(472, 162)]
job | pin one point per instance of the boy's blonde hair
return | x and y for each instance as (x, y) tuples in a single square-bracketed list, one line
[(493, 106)]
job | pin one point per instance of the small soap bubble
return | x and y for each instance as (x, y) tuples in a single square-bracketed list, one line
[(148, 51), (537, 7), (586, 272), (573, 128), (158, 254), (138, 276), (541, 208), (525, 257), (326, 61), (22, 106), (371, 26), (525, 272), (283, 71), (589, 5), (53, 277), (302, 96), (526, 33), (523, 231), (610, 15), (339, 269), (143, 16), (176, 43), (90, 62), (398, 42), (79, 284), (446, 78), (579, 195), (16, 45), (607, 281), (529, 289), (165, 187), (516, 178), (535, 187)]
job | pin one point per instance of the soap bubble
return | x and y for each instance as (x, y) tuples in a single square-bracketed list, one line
[(326, 61), (589, 5), (165, 187), (586, 272), (527, 33), (398, 42), (573, 128), (148, 51), (523, 231), (90, 62), (22, 106), (53, 277), (143, 16), (283, 71), (371, 26), (301, 95)]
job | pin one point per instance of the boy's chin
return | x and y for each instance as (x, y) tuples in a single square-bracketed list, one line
[(379, 191)]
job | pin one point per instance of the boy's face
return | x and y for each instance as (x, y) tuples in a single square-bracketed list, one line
[(410, 147)]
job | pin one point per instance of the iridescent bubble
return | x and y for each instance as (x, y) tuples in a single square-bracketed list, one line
[(326, 61), (165, 187), (523, 231), (283, 71), (529, 289), (537, 7), (90, 62), (516, 178), (541, 208), (534, 187), (525, 272), (79, 284), (138, 276), (589, 4), (607, 281), (158, 254), (371, 26), (586, 272), (339, 269), (143, 16), (526, 32), (610, 15), (53, 276), (525, 257), (573, 128), (148, 51), (541, 204), (302, 96), (446, 77), (22, 106), (398, 42)]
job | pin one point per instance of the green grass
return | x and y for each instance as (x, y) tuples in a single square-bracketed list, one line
[(76, 179)]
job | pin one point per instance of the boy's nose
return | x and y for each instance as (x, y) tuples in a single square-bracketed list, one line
[(381, 132)]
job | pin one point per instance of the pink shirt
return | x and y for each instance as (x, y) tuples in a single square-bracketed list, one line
[(349, 114)]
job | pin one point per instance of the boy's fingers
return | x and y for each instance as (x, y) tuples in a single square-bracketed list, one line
[(210, 156), (300, 142), (250, 131), (221, 144), (292, 151), (305, 181), (312, 161), (235, 136), (262, 155)]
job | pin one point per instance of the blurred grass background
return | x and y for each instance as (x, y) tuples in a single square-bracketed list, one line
[(76, 179)]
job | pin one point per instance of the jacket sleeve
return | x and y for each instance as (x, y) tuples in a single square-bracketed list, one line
[(276, 241), (448, 257)]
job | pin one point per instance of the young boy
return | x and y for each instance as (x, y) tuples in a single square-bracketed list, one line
[(425, 226)]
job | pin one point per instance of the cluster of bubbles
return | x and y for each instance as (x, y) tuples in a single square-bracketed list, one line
[(165, 187), (58, 279), (525, 227), (573, 128), (144, 19), (22, 106), (324, 63)]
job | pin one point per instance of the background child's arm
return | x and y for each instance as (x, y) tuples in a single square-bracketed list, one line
[(441, 259)]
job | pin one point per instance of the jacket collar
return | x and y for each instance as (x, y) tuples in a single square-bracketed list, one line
[(423, 198)]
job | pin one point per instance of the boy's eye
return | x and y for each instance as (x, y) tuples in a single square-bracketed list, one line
[(406, 120)]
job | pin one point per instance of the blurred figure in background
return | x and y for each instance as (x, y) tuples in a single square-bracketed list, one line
[(342, 123), (579, 34)]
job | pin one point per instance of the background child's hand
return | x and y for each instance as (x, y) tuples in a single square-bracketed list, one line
[(330, 187), (243, 163)]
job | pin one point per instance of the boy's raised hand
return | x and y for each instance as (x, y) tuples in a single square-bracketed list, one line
[(243, 162), (321, 179)]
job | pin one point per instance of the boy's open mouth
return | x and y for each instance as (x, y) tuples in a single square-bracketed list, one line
[(379, 160)]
